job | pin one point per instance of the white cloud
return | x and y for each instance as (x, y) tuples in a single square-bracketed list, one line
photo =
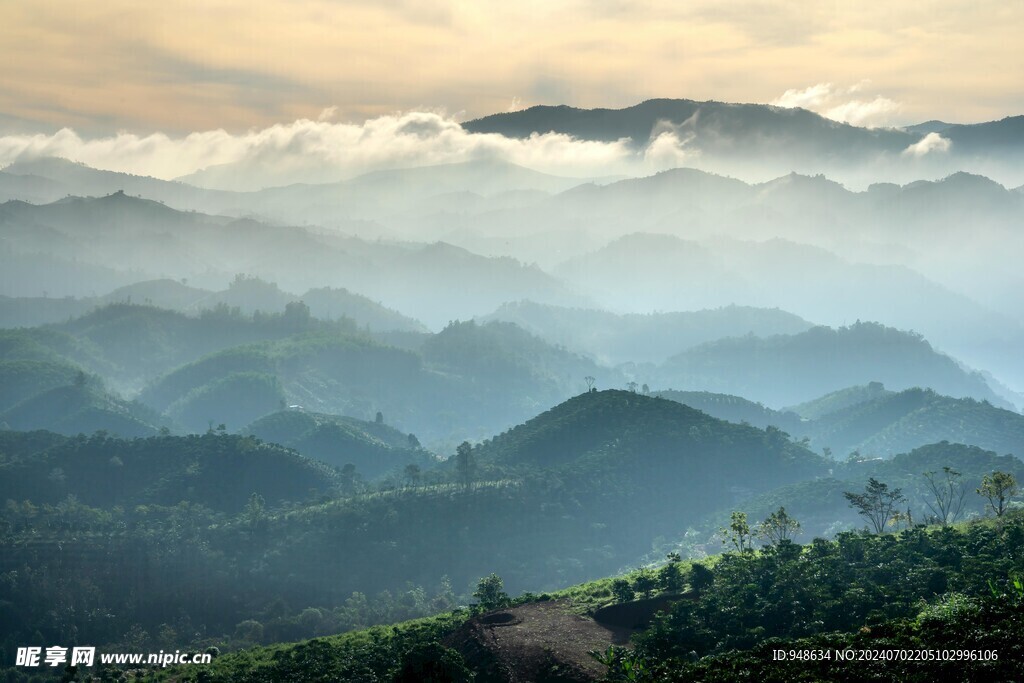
[(670, 145), (313, 150), (810, 98), (840, 104), (933, 142)]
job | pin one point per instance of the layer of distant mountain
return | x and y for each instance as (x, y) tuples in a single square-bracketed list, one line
[(757, 137), (872, 421), (78, 245), (248, 295)]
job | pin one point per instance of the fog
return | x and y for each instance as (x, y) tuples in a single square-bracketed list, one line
[(748, 205)]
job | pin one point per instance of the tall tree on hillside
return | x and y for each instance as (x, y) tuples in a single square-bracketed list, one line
[(778, 527), (946, 499), (412, 474), (877, 504), (349, 479), (590, 382), (998, 488), (738, 532), (465, 464)]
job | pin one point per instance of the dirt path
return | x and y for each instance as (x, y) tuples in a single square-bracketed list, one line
[(538, 643)]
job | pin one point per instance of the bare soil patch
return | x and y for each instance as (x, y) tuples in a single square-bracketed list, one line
[(543, 642)]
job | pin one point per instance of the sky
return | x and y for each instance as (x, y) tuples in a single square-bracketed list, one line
[(108, 65), (172, 87)]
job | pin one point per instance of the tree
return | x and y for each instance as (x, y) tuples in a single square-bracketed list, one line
[(670, 577), (379, 419), (349, 478), (490, 592), (623, 590), (738, 532), (998, 488), (465, 464), (646, 389), (412, 474), (778, 527), (947, 495), (631, 386), (877, 504), (701, 578), (590, 383), (413, 441), (645, 582), (80, 379), (296, 315), (255, 514)]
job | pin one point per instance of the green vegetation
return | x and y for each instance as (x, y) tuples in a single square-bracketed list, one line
[(943, 588), (940, 588), (374, 448), (789, 369), (871, 421), (822, 509)]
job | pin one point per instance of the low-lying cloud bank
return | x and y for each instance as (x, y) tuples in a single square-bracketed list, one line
[(321, 150), (846, 105)]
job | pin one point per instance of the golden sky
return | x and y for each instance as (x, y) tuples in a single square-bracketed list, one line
[(177, 66)]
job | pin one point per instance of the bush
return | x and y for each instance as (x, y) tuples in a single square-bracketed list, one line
[(622, 590), (490, 593)]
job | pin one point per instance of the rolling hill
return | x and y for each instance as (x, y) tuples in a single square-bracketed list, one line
[(643, 338), (375, 448), (787, 369)]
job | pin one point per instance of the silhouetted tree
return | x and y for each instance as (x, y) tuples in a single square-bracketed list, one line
[(778, 527), (947, 495), (701, 578), (465, 464), (349, 478), (412, 474), (670, 577), (998, 488), (738, 532), (877, 503)]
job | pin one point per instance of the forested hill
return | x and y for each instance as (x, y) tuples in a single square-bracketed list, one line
[(613, 430), (788, 369), (536, 504), (644, 338), (952, 592), (374, 448), (247, 295), (736, 409), (896, 422), (870, 421), (741, 127), (217, 471)]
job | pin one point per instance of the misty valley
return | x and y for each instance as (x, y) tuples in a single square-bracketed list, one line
[(472, 421)]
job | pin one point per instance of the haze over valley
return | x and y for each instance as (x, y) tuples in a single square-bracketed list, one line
[(377, 373)]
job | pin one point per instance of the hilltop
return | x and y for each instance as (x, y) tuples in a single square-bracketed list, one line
[(788, 369)]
